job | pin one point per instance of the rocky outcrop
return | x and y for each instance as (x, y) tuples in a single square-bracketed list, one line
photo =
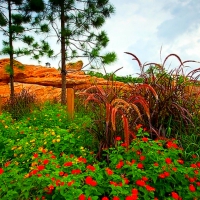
[(45, 82)]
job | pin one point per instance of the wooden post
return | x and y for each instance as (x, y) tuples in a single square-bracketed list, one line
[(0, 105), (70, 102)]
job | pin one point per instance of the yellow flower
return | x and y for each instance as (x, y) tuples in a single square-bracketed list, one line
[(45, 142), (15, 155), (6, 126), (58, 136), (58, 140), (16, 163), (26, 175), (40, 148), (53, 140), (32, 140), (52, 133), (14, 148), (19, 148)]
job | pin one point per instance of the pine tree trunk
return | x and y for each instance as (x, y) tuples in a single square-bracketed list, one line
[(11, 53), (63, 65)]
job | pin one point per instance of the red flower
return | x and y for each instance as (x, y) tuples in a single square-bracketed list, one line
[(132, 197), (198, 164), (76, 171), (149, 188), (7, 163), (45, 161), (134, 191), (118, 138), (53, 156), (192, 188), (193, 165), (34, 172), (144, 178), (126, 180), (68, 164), (166, 174), (168, 161), (41, 167), (82, 197), (90, 181), (174, 169), (175, 195), (105, 198), (156, 164), (133, 161), (90, 167), (140, 183), (35, 155), (61, 173), (93, 183), (51, 187), (124, 144), (120, 164), (116, 198), (191, 180), (198, 183), (1, 171), (83, 160), (113, 183), (109, 171), (138, 126), (144, 139), (142, 158), (194, 156), (170, 145), (70, 183), (180, 161), (140, 166)]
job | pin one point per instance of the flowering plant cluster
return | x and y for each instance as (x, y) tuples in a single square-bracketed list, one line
[(55, 163)]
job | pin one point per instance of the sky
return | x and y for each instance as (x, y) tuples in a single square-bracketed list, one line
[(151, 30)]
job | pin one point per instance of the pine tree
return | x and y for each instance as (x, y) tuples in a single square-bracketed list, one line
[(76, 24), (18, 19)]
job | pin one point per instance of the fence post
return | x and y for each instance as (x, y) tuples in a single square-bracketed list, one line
[(70, 102), (0, 105)]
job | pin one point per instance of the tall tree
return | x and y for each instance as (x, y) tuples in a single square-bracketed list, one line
[(17, 19), (76, 24)]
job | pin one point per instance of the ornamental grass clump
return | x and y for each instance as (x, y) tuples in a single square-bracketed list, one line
[(115, 112), (20, 104), (177, 104)]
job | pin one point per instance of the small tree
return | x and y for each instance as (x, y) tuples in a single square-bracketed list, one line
[(78, 32), (17, 19)]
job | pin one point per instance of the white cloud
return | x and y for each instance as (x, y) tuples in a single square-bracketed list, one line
[(142, 27)]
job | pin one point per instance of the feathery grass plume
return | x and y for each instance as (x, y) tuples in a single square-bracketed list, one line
[(171, 106)]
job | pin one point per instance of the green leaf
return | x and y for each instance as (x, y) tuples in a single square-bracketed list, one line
[(109, 58), (3, 21)]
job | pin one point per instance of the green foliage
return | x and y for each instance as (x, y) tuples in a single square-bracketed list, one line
[(3, 21), (111, 76)]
